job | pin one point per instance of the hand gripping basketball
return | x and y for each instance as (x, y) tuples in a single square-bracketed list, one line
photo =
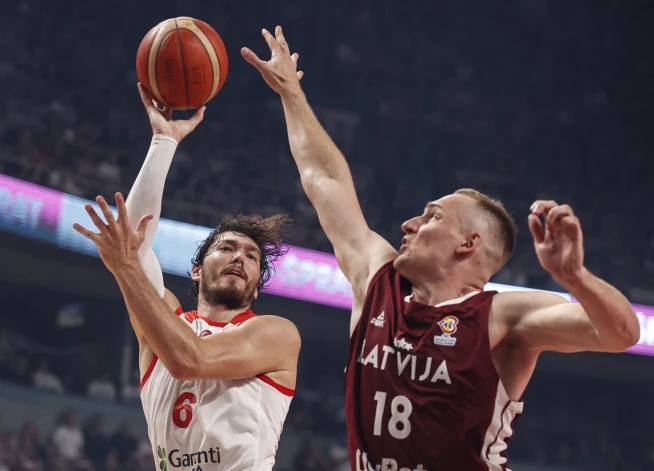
[(161, 119), (280, 72)]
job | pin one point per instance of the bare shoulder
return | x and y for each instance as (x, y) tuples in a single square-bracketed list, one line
[(512, 309), (516, 302)]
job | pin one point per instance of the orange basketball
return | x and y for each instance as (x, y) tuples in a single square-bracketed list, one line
[(182, 62)]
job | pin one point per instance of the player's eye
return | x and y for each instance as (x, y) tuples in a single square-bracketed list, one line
[(252, 257), (226, 249)]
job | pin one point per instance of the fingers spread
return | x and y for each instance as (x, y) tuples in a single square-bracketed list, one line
[(143, 224), (97, 221), (252, 58), (123, 220), (106, 210), (279, 35), (86, 233), (536, 228), (272, 42)]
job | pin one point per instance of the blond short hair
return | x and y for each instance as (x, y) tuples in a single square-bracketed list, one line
[(496, 211)]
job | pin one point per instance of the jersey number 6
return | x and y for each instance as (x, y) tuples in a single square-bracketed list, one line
[(398, 426), (183, 404)]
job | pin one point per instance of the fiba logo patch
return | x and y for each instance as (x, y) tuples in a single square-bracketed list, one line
[(448, 326)]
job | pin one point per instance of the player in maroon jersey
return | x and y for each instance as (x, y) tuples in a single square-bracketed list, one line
[(437, 366)]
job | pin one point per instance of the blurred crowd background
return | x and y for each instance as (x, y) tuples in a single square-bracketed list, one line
[(524, 100)]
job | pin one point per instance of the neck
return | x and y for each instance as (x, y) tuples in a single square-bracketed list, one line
[(218, 312), (434, 292)]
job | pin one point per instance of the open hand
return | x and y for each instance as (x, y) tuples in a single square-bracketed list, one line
[(117, 243), (280, 72), (560, 246), (162, 121)]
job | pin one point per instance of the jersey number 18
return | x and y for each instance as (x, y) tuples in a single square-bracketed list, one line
[(398, 426)]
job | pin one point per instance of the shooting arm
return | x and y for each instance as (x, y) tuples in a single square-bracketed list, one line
[(145, 197)]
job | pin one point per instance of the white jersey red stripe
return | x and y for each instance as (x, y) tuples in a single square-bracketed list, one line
[(202, 425)]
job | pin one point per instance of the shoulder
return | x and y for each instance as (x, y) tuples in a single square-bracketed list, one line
[(516, 302), (511, 308), (274, 327)]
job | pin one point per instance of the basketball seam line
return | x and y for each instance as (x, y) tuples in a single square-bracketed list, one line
[(181, 55), (220, 67), (155, 65), (207, 51)]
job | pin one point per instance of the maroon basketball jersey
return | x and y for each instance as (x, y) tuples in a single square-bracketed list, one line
[(421, 390)]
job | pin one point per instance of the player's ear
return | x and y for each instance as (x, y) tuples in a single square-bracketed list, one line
[(195, 272), (255, 295), (469, 244)]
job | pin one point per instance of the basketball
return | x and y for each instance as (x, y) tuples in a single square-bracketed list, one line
[(182, 62)]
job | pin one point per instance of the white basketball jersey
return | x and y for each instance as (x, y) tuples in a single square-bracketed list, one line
[(206, 425)]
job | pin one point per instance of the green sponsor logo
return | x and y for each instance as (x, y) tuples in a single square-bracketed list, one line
[(162, 458)]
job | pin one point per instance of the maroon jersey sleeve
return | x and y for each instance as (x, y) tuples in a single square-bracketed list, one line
[(421, 390)]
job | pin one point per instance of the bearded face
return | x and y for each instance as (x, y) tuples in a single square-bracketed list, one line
[(230, 272)]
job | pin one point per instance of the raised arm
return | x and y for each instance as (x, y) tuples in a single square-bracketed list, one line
[(146, 194), (324, 172), (603, 319)]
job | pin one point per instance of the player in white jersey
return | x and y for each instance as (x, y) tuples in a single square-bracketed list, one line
[(216, 382)]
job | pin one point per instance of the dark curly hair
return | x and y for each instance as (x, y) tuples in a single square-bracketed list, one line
[(268, 233)]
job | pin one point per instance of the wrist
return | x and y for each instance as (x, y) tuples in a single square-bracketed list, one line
[(292, 94), (126, 271), (575, 279), (159, 137)]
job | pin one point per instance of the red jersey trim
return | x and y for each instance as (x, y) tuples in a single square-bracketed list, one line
[(282, 389), (149, 372), (179, 311), (237, 319)]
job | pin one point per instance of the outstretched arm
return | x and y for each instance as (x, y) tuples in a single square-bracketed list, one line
[(324, 172), (146, 194), (602, 321)]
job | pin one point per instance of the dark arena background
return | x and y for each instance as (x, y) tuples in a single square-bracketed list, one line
[(522, 99)]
